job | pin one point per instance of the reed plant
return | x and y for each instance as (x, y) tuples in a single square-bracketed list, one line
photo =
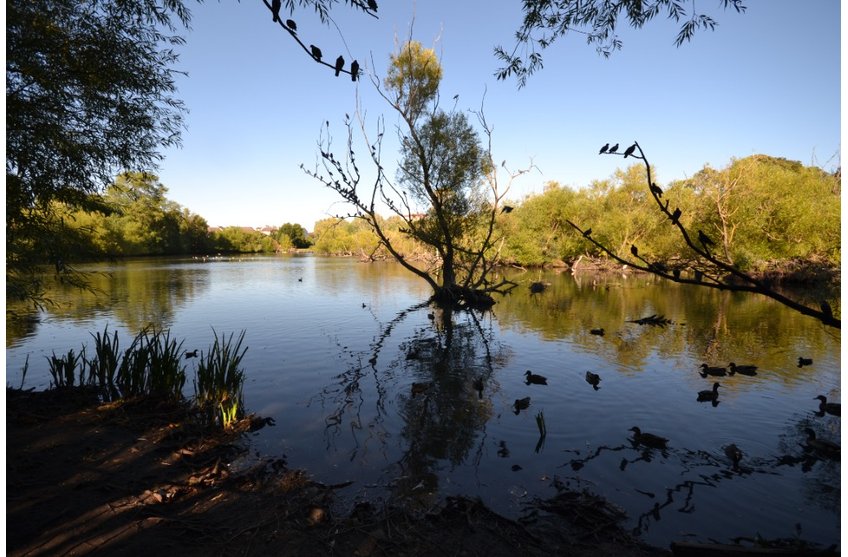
[(63, 369), (219, 381), (152, 366), (104, 366)]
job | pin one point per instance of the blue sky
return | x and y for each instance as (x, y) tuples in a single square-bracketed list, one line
[(766, 81)]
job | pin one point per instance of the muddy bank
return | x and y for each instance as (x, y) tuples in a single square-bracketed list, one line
[(146, 477)]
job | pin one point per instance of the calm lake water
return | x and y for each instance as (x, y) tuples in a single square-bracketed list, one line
[(335, 346)]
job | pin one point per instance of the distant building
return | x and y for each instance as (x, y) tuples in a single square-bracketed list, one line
[(268, 230)]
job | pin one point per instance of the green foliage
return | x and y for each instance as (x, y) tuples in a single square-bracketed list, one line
[(413, 78), (219, 381), (773, 210), (293, 235), (89, 89), (547, 20), (241, 239), (151, 366)]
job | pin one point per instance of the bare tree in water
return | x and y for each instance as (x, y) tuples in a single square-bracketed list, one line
[(446, 191)]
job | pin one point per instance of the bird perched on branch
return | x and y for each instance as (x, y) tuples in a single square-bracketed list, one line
[(604, 149), (291, 25), (656, 189), (675, 216), (587, 232), (339, 65), (316, 52), (275, 9), (372, 5), (629, 150), (506, 209), (634, 250), (354, 70), (705, 240), (613, 149)]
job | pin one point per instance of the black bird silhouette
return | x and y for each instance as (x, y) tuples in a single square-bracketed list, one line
[(750, 371), (604, 149), (275, 9), (598, 332), (339, 65), (593, 379), (521, 404), (634, 250), (709, 396), (534, 379), (354, 70), (629, 150), (734, 454), (613, 149), (587, 232), (648, 439), (804, 361), (714, 371), (833, 408), (506, 209), (372, 5), (656, 189), (316, 52), (822, 446), (704, 239), (192, 354), (291, 24), (675, 216)]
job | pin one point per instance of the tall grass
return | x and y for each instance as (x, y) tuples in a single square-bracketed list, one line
[(153, 365), (219, 381), (63, 369)]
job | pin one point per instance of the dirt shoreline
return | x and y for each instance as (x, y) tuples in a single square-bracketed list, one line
[(145, 477)]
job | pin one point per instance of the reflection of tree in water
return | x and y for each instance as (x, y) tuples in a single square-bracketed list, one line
[(702, 469), (443, 375)]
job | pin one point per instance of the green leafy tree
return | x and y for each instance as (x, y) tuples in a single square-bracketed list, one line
[(89, 91), (294, 234)]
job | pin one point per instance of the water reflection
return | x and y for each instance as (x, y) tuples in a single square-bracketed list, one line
[(419, 404)]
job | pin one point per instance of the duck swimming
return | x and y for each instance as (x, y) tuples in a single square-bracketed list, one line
[(534, 379), (593, 379), (598, 332), (743, 370), (734, 454), (822, 446), (521, 404), (648, 439), (714, 371), (832, 408), (804, 361), (709, 396)]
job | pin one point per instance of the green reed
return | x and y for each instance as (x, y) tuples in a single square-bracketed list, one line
[(63, 369), (104, 366), (219, 381), (151, 366)]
